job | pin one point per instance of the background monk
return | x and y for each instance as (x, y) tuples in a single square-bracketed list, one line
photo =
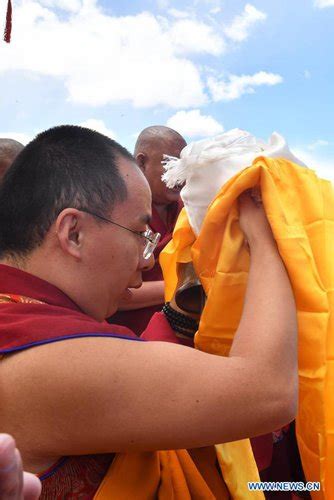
[(152, 143), (9, 149), (75, 391)]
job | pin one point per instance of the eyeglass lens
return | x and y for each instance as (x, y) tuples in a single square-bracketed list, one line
[(151, 245)]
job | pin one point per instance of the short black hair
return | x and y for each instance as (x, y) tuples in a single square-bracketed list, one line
[(65, 166)]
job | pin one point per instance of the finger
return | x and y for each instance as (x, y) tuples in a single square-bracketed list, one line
[(10, 475), (245, 194), (19, 473), (245, 199), (256, 195), (32, 486)]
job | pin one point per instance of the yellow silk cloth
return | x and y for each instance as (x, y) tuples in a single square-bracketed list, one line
[(162, 475), (300, 209)]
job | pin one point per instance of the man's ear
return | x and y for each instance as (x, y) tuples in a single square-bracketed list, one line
[(69, 230), (141, 160)]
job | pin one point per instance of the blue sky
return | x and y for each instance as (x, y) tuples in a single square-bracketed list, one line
[(200, 66)]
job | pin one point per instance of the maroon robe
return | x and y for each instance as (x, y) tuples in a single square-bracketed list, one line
[(56, 318), (33, 312), (137, 319)]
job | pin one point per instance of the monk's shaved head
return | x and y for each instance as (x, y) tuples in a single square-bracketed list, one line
[(152, 143), (157, 136), (9, 149)]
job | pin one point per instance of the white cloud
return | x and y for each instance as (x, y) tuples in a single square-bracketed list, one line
[(17, 136), (99, 126), (240, 26), (194, 124), (135, 58), (317, 144), (236, 86), (323, 168), (189, 36), (307, 74), (141, 59), (179, 14), (215, 10), (68, 5), (163, 4), (321, 4), (210, 4)]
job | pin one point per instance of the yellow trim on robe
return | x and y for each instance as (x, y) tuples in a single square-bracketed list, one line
[(300, 209)]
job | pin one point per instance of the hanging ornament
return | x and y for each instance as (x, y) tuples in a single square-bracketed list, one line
[(8, 27)]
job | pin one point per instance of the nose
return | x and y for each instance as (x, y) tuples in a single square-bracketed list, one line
[(147, 263)]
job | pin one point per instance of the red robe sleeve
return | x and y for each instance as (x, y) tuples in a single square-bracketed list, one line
[(159, 329)]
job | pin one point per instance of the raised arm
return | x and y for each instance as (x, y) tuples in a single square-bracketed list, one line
[(151, 293), (98, 395)]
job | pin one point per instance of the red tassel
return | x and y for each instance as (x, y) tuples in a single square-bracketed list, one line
[(8, 28)]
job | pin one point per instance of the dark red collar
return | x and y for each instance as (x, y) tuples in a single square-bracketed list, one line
[(15, 281), (158, 225), (56, 317)]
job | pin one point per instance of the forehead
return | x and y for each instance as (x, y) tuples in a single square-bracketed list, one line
[(169, 146), (139, 196)]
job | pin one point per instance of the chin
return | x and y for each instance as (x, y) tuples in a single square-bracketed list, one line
[(111, 312), (173, 196), (113, 307)]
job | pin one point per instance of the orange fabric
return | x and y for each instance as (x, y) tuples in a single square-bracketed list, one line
[(206, 462), (162, 475), (300, 209)]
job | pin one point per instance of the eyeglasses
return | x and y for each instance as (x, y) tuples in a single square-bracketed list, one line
[(152, 239)]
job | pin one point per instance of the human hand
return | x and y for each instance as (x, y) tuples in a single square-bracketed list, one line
[(253, 220), (14, 483)]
